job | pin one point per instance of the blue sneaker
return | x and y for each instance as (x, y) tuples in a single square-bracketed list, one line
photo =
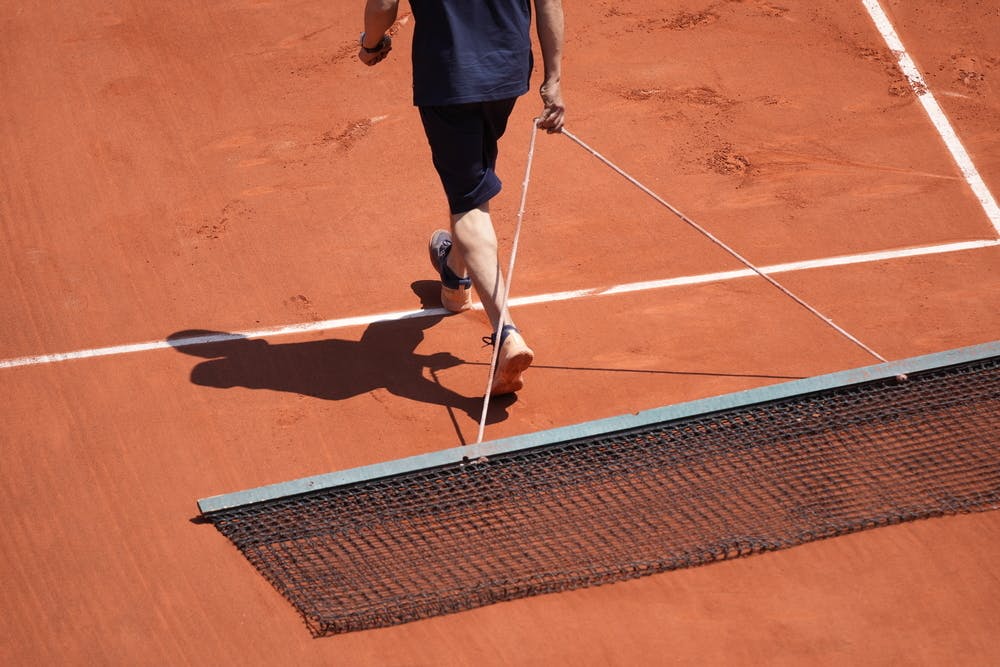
[(456, 292), (515, 357)]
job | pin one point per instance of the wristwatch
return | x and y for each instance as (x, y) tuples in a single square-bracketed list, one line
[(382, 43)]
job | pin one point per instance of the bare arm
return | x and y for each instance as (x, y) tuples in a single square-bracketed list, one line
[(549, 24), (379, 17)]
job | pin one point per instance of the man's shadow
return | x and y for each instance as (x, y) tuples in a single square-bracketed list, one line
[(336, 369)]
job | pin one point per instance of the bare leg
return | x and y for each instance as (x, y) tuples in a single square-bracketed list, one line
[(475, 252)]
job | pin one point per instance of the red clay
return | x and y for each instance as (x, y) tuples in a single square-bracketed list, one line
[(230, 166)]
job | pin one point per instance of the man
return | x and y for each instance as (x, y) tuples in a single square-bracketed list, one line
[(471, 61)]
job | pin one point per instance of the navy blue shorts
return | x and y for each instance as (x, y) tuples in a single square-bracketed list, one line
[(463, 140)]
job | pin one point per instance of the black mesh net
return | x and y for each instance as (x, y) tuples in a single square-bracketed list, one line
[(623, 505)]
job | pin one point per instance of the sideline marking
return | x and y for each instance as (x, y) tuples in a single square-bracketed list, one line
[(935, 112), (327, 325)]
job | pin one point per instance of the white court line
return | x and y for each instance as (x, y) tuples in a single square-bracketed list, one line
[(328, 325), (935, 112), (919, 87)]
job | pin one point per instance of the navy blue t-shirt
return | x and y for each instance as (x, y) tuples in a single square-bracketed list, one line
[(470, 50)]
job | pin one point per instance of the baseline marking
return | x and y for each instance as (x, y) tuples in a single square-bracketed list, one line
[(935, 112), (327, 325)]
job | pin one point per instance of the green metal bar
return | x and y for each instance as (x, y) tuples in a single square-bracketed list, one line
[(602, 427)]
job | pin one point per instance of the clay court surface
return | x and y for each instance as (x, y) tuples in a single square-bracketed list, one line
[(170, 169)]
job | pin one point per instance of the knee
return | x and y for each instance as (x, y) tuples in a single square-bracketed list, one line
[(473, 230)]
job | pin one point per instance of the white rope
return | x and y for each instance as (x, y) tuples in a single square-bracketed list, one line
[(725, 247), (672, 209), (509, 279)]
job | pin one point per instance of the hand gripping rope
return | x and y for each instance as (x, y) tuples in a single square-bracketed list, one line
[(701, 230)]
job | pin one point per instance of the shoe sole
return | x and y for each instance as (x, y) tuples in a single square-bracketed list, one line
[(515, 358)]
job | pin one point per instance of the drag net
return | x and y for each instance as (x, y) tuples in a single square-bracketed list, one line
[(623, 505)]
